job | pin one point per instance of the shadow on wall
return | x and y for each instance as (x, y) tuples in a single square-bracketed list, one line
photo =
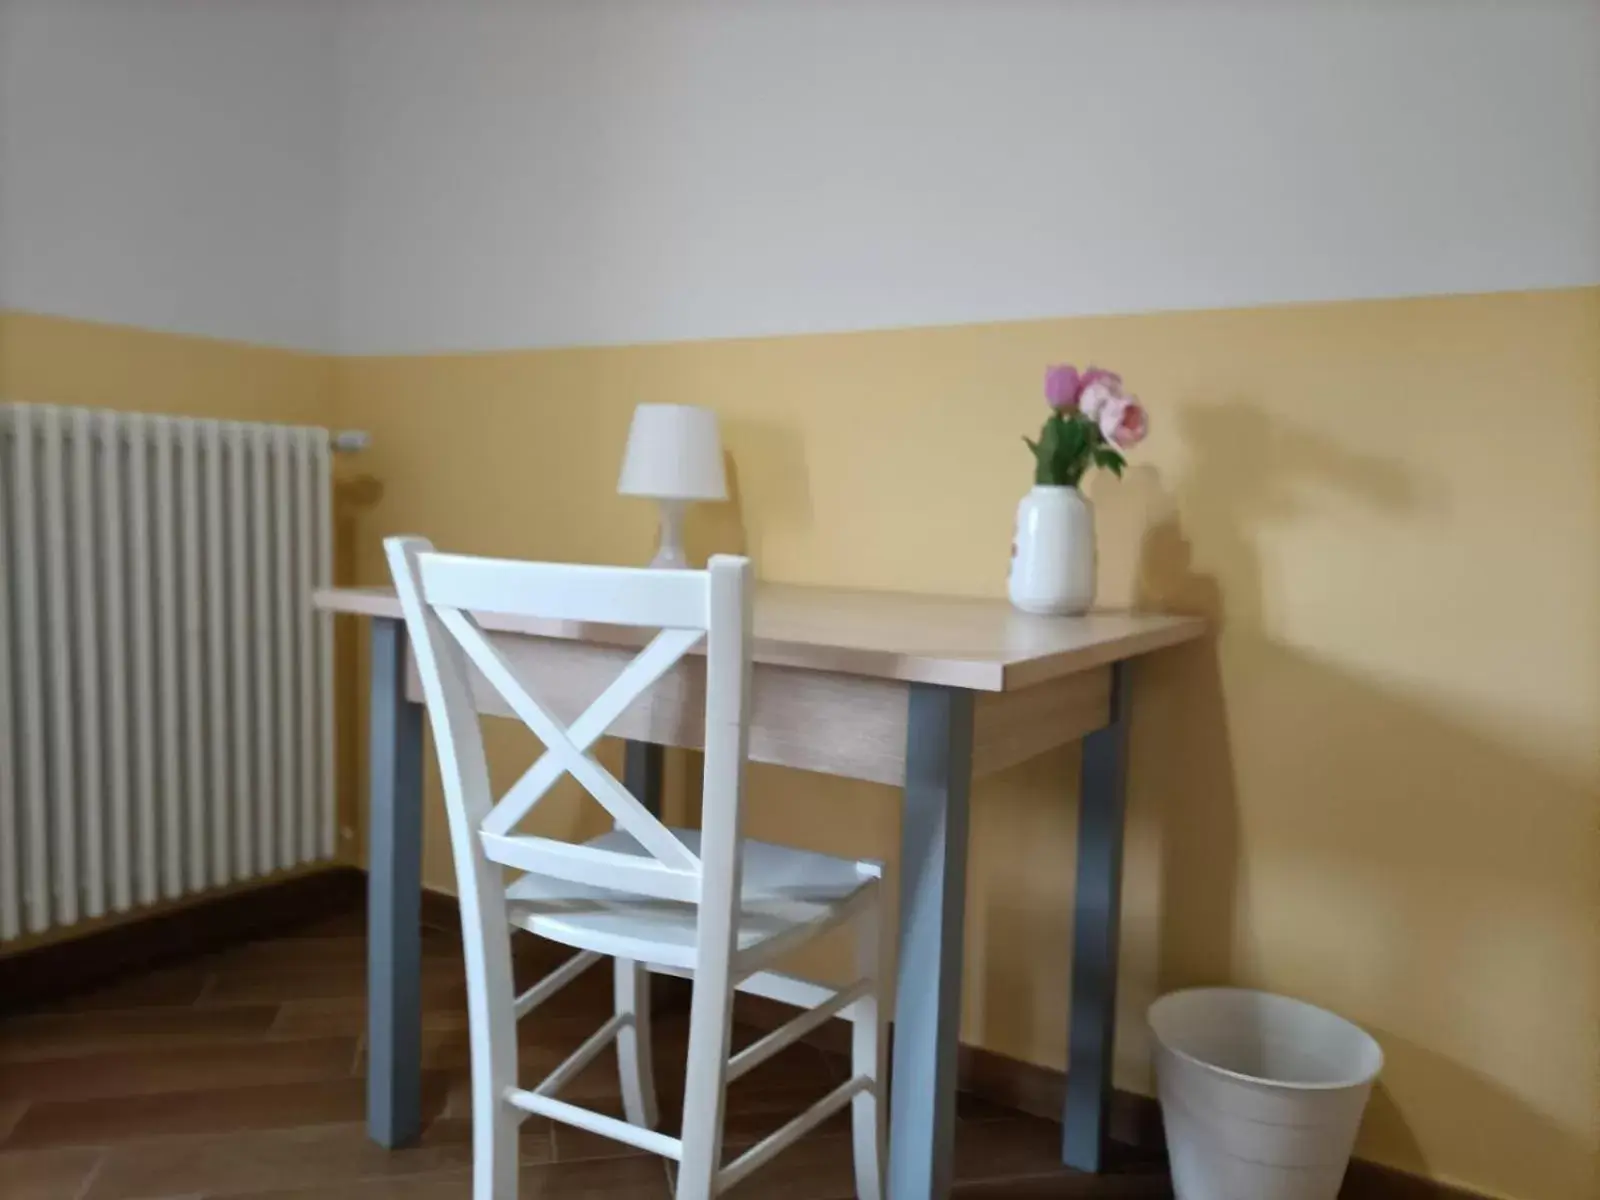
[(718, 528), (1245, 472), (775, 483), (1373, 815)]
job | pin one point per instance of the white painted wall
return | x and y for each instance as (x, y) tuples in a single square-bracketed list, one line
[(410, 175), (171, 164), (6, 18), (535, 173)]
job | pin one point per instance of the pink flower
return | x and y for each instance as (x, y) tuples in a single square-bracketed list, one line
[(1124, 421), (1061, 386), (1100, 393), (1100, 375)]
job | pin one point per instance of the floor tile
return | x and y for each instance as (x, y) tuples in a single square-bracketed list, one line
[(108, 1120), (544, 1043), (309, 950), (11, 1110), (598, 1179), (975, 1108), (138, 1073), (45, 1174), (351, 922), (178, 986), (1070, 1185), (442, 982), (817, 1167), (821, 1165), (626, 1179), (293, 953), (436, 1185), (71, 1034), (323, 1157), (1016, 1145), (232, 1077), (348, 1015)]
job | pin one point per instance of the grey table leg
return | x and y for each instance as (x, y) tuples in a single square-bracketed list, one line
[(1097, 923), (394, 897), (933, 894), (643, 774), (643, 764)]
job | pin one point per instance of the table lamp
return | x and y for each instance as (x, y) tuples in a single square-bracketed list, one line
[(674, 456)]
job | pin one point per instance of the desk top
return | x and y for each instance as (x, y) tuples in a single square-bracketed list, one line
[(984, 645)]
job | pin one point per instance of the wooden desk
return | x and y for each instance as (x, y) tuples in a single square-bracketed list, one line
[(924, 693)]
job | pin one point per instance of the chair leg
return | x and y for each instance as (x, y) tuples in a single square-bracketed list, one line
[(710, 1021), (635, 1056), (494, 1145), (868, 1056), (493, 1033)]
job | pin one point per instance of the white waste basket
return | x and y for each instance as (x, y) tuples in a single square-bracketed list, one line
[(1261, 1095)]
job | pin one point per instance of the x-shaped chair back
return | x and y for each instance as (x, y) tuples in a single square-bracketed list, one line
[(440, 594)]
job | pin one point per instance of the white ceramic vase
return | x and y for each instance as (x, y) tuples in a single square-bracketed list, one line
[(1052, 555)]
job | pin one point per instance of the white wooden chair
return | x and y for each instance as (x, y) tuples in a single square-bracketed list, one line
[(703, 904)]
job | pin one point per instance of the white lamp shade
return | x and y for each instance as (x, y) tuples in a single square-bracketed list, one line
[(674, 453)]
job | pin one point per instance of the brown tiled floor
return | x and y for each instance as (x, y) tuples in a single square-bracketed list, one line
[(239, 1076)]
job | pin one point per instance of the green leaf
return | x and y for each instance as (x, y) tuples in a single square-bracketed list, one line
[(1072, 455), (1050, 436), (1111, 460), (1076, 437), (1047, 452)]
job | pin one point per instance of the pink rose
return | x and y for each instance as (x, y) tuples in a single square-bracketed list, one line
[(1061, 386), (1099, 394), (1124, 421), (1100, 375)]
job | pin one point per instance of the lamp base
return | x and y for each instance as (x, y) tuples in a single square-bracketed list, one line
[(670, 554)]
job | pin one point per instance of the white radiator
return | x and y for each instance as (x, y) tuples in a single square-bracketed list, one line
[(166, 722)]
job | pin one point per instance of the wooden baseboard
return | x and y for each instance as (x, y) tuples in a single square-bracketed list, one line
[(1374, 1181), (60, 968), (440, 911)]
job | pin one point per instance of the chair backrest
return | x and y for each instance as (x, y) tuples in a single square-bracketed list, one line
[(439, 593)]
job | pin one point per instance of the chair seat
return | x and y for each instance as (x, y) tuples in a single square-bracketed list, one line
[(783, 889)]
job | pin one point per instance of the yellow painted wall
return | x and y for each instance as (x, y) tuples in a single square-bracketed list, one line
[(57, 360), (1378, 789)]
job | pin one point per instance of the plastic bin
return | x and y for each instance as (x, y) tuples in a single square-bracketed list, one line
[(1261, 1095)]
